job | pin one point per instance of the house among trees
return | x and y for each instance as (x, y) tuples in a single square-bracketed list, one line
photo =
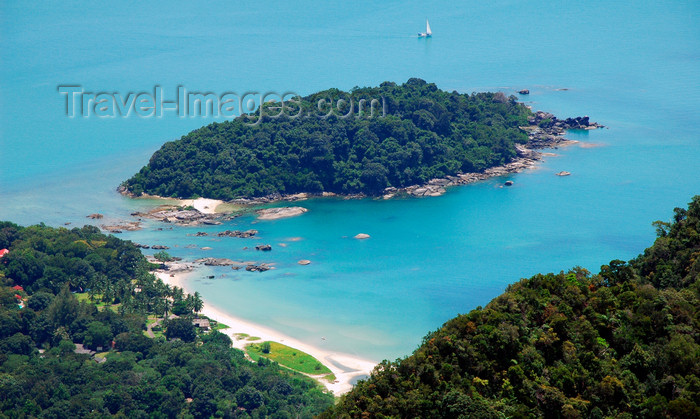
[(201, 323)]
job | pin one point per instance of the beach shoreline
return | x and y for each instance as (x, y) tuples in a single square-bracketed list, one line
[(345, 367)]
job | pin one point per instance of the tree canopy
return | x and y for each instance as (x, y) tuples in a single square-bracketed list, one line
[(426, 133), (620, 343), (63, 288)]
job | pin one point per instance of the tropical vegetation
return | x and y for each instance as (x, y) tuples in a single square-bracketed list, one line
[(416, 133), (74, 306), (622, 343)]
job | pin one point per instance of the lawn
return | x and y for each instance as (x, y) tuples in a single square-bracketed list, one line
[(288, 357), (220, 326), (84, 296)]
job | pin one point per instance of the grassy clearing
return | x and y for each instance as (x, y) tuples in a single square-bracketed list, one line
[(288, 357), (252, 338), (101, 355), (241, 336), (220, 326), (84, 296), (330, 378)]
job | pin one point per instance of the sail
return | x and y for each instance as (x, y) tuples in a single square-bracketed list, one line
[(427, 27)]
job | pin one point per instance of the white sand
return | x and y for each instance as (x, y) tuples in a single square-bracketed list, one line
[(356, 366), (203, 205)]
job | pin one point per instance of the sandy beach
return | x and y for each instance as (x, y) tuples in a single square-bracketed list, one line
[(345, 367), (203, 205)]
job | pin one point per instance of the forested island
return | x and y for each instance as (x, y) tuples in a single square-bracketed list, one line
[(622, 343), (417, 133)]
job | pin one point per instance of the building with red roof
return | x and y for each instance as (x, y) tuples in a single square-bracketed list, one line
[(3, 252)]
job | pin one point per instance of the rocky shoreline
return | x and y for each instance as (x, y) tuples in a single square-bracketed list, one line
[(544, 130)]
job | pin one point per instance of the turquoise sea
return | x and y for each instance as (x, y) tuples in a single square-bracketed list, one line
[(632, 66)]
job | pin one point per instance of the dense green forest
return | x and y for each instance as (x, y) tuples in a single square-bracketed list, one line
[(62, 288), (426, 133), (622, 343)]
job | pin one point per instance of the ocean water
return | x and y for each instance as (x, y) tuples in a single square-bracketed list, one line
[(634, 67)]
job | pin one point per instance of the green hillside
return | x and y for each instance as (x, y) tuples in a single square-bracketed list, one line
[(621, 343), (426, 133)]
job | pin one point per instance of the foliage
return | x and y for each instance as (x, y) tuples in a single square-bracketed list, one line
[(427, 133), (163, 256), (181, 329), (622, 343), (140, 377)]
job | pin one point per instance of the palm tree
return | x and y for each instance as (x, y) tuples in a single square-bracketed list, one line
[(197, 304)]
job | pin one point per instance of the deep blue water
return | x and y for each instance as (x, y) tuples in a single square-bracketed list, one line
[(634, 67)]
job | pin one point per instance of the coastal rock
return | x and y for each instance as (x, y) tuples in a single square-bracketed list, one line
[(216, 261), (118, 228), (239, 234), (428, 189), (304, 262), (509, 183), (297, 197), (201, 234), (524, 92), (142, 246), (563, 173), (159, 247), (95, 216), (206, 248), (257, 268), (177, 215), (263, 247), (362, 236), (280, 212)]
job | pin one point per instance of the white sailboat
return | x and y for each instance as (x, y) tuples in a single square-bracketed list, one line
[(428, 33)]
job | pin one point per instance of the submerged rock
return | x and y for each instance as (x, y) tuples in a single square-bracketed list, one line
[(257, 268), (239, 234)]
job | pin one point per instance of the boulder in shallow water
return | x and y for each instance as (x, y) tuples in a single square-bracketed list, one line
[(362, 236), (304, 262), (276, 213), (509, 183), (257, 268), (263, 247)]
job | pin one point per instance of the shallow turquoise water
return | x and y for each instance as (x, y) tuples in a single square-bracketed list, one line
[(634, 68)]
